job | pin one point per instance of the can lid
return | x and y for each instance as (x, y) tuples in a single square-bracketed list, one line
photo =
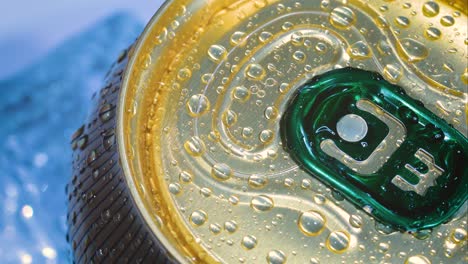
[(220, 102)]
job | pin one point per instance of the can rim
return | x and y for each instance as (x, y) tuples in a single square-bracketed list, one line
[(128, 177)]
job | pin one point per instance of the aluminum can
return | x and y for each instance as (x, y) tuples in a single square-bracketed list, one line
[(266, 131)]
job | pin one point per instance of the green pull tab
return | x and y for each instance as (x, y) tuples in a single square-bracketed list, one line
[(382, 149)]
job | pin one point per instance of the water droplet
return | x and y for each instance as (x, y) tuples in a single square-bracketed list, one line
[(297, 39), (384, 229), (306, 184), (241, 93), (458, 235), (247, 132), (217, 53), (355, 221), (257, 181), (195, 146), (184, 74), (418, 259), (384, 247), (174, 188), (422, 234), (185, 177), (215, 228), (430, 9), (255, 71), (319, 199), (198, 105), (287, 26), (249, 242), (105, 112), (221, 171), (432, 33), (402, 21), (262, 203), (206, 78), (230, 226), (205, 192), (92, 156), (325, 4), (288, 182), (271, 113), (413, 50), (338, 241), (447, 21), (265, 36), (342, 17), (311, 223), (229, 118), (266, 136), (237, 38), (359, 51), (234, 200), (321, 47), (276, 257), (393, 72), (198, 217), (299, 56), (108, 139)]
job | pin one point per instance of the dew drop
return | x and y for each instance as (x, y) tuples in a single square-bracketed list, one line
[(287, 26), (241, 93), (247, 132), (321, 47), (105, 113), (198, 105), (266, 136), (265, 36), (447, 21), (221, 171), (276, 257), (257, 181), (311, 223), (217, 53), (413, 50), (418, 259), (299, 56), (262, 203), (184, 74), (359, 51), (195, 146), (174, 188), (342, 17), (402, 21), (229, 118), (338, 241), (271, 113), (432, 33), (430, 9), (255, 71), (297, 39), (230, 226), (198, 218), (205, 192), (458, 235), (237, 38), (355, 221), (185, 177), (249, 242), (215, 228), (393, 72)]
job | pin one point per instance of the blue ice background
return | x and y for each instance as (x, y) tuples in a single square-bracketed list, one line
[(39, 110)]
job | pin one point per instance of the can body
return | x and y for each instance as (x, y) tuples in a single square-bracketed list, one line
[(280, 132)]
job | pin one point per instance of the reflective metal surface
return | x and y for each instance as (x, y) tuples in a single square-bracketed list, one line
[(199, 125)]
